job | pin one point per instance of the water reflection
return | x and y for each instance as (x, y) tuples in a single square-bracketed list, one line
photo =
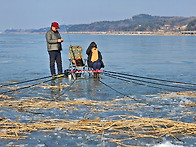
[(56, 89)]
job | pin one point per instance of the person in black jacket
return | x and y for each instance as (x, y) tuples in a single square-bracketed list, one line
[(94, 59)]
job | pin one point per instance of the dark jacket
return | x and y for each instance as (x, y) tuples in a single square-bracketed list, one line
[(52, 40), (89, 53)]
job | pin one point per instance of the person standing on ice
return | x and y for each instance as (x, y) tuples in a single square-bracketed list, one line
[(94, 59), (54, 47)]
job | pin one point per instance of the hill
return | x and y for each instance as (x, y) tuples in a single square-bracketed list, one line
[(141, 22)]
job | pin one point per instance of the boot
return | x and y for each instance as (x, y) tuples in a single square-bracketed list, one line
[(98, 76), (53, 76), (60, 75), (95, 74)]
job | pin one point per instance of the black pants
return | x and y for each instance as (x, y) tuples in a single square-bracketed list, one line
[(55, 56)]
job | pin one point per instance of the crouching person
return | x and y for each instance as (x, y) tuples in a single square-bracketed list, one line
[(94, 59)]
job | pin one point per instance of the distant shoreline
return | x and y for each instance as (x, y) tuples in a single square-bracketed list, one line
[(160, 33), (182, 33), (132, 33)]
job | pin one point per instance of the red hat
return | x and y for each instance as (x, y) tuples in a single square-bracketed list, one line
[(56, 25)]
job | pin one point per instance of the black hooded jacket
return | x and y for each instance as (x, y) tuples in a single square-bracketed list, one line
[(89, 53)]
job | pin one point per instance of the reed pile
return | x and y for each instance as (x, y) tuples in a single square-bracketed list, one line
[(131, 126), (178, 94), (115, 126)]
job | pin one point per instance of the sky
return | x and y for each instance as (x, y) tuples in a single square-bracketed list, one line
[(35, 14)]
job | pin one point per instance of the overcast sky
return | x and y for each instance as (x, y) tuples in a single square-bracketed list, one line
[(28, 14)]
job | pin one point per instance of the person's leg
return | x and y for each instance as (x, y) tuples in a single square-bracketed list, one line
[(59, 63), (94, 68), (52, 62), (99, 65), (94, 65)]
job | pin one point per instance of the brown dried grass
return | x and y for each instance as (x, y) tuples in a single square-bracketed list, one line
[(5, 97), (132, 126), (178, 94), (190, 105), (40, 103)]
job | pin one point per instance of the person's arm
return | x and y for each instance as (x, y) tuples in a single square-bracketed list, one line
[(99, 56), (60, 39), (88, 51)]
